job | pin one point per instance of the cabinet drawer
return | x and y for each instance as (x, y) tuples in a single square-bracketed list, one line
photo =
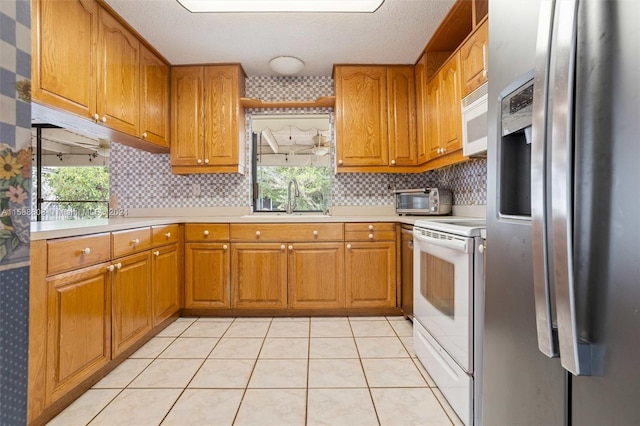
[(374, 231), (287, 232), (66, 254), (206, 232), (130, 241), (164, 234)]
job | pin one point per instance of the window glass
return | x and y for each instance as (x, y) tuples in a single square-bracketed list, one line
[(291, 163)]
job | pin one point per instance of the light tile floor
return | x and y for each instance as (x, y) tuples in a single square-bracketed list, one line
[(269, 371)]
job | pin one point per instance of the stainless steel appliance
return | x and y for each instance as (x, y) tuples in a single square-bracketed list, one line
[(424, 201), (447, 308), (561, 322), (474, 122)]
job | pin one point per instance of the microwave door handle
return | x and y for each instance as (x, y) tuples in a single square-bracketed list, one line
[(455, 244), (541, 283), (574, 355)]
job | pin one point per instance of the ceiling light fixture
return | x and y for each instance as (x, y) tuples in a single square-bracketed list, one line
[(286, 65), (363, 6)]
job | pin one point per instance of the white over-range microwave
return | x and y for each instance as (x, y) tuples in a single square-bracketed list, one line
[(474, 122)]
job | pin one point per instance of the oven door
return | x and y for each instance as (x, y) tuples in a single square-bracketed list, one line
[(443, 289)]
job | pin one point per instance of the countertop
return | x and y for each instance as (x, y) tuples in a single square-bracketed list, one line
[(71, 228)]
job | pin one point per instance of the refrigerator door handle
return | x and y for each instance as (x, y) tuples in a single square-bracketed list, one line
[(574, 355), (544, 321)]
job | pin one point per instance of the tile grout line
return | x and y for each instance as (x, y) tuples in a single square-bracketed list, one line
[(246, 387), (366, 379)]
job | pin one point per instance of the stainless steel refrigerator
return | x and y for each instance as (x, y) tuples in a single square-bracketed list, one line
[(562, 295)]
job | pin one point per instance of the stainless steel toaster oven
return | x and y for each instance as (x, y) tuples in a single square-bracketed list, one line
[(424, 201)]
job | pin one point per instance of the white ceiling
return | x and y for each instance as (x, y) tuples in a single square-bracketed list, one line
[(395, 34)]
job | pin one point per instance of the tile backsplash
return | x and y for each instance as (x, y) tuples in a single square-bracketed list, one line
[(144, 180)]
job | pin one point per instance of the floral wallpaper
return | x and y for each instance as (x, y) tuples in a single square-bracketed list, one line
[(15, 186)]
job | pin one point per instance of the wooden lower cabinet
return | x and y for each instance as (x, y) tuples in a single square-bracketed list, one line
[(207, 275), (370, 274), (131, 287), (165, 282), (78, 328), (316, 275), (259, 275)]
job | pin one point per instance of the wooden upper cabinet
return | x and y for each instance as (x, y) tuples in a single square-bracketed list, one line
[(422, 127), (186, 115), (432, 118), (88, 63), (64, 36), (221, 105), (207, 120), (361, 116), (473, 59), (154, 98), (449, 109), (118, 75), (401, 116)]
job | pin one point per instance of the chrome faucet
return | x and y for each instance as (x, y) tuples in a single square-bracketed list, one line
[(291, 201)]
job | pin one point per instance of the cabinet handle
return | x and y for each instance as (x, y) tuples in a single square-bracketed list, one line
[(168, 235), (339, 161), (481, 248), (315, 233), (144, 135), (257, 233), (206, 232), (393, 162), (371, 236), (199, 161), (135, 242), (156, 253), (410, 244), (224, 247), (85, 251), (118, 265), (370, 227), (348, 246), (206, 161), (110, 268), (104, 119), (291, 248), (96, 117), (282, 247)]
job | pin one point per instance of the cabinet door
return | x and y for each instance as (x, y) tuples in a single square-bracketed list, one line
[(118, 76), (154, 98), (221, 104), (186, 116), (165, 281), (259, 275), (422, 125), (207, 275), (64, 37), (79, 333), (450, 115), (131, 300), (361, 116), (401, 113), (316, 275), (370, 272), (473, 60), (432, 114)]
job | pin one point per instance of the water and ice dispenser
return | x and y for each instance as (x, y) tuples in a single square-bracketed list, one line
[(514, 150)]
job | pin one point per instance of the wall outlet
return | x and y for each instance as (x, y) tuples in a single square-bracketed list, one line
[(195, 189)]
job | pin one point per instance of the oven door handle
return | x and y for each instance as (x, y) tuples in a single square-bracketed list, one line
[(455, 243)]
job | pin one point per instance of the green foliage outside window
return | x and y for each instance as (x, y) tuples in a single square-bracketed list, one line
[(73, 187), (314, 184)]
